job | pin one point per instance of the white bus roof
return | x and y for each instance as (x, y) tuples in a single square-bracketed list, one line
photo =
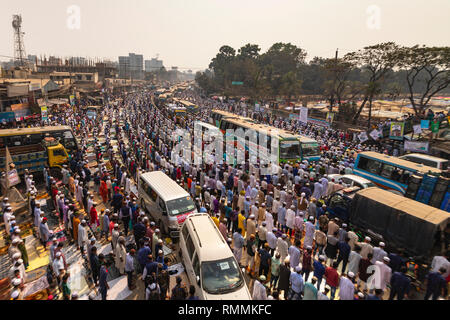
[(424, 156), (164, 185), (206, 125)]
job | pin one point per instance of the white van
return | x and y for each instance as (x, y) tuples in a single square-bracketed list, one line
[(167, 202), (209, 262), (426, 160)]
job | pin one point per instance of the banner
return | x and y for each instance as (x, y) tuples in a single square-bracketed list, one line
[(304, 115), (396, 131), (44, 113), (330, 117), (416, 146), (363, 137), (72, 100), (12, 176), (435, 126), (425, 124), (417, 129), (375, 134)]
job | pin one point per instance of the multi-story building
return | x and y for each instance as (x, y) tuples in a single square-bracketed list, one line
[(124, 67), (131, 66), (153, 65)]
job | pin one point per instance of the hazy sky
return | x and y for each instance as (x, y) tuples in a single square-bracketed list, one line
[(188, 33)]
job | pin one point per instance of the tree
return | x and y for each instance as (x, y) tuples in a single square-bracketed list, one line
[(427, 66), (278, 61), (376, 61), (338, 70)]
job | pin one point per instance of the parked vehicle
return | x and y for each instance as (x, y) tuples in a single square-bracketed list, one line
[(35, 157), (209, 262), (167, 202), (426, 160)]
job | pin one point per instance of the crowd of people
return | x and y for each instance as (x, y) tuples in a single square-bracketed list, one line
[(276, 224)]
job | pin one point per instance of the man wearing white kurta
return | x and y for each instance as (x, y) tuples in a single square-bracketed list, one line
[(310, 230), (282, 247), (82, 235), (259, 290), (385, 273), (346, 287)]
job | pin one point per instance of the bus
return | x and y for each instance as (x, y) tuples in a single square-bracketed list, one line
[(92, 112), (287, 145), (388, 172), (28, 136), (217, 116), (310, 149)]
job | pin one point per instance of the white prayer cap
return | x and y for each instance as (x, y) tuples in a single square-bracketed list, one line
[(351, 274), (382, 244), (160, 252), (322, 257), (308, 248), (75, 295), (153, 286), (311, 218), (157, 230), (16, 282), (361, 295), (20, 261), (252, 216), (5, 199), (58, 254), (298, 269), (367, 239), (386, 259), (284, 236), (15, 294), (303, 194), (116, 225), (262, 277), (83, 221), (16, 240), (344, 225), (160, 241), (17, 255)]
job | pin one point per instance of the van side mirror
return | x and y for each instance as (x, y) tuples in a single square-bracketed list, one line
[(198, 280)]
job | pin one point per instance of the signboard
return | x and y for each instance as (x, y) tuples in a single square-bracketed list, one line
[(416, 146), (435, 126), (363, 137), (417, 129), (44, 113), (375, 134), (237, 83), (330, 117), (397, 130), (72, 100), (13, 177), (425, 124), (304, 115)]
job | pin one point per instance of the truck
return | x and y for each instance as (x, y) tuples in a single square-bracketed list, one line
[(403, 223), (35, 157)]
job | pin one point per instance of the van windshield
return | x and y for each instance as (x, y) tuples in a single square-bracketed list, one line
[(221, 276), (180, 206)]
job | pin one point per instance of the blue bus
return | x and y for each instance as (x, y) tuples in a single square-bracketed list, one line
[(388, 172)]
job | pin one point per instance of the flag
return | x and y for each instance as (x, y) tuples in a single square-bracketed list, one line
[(12, 178)]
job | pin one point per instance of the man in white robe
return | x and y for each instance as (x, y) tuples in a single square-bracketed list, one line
[(347, 287)]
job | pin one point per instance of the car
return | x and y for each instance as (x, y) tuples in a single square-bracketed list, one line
[(350, 180)]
